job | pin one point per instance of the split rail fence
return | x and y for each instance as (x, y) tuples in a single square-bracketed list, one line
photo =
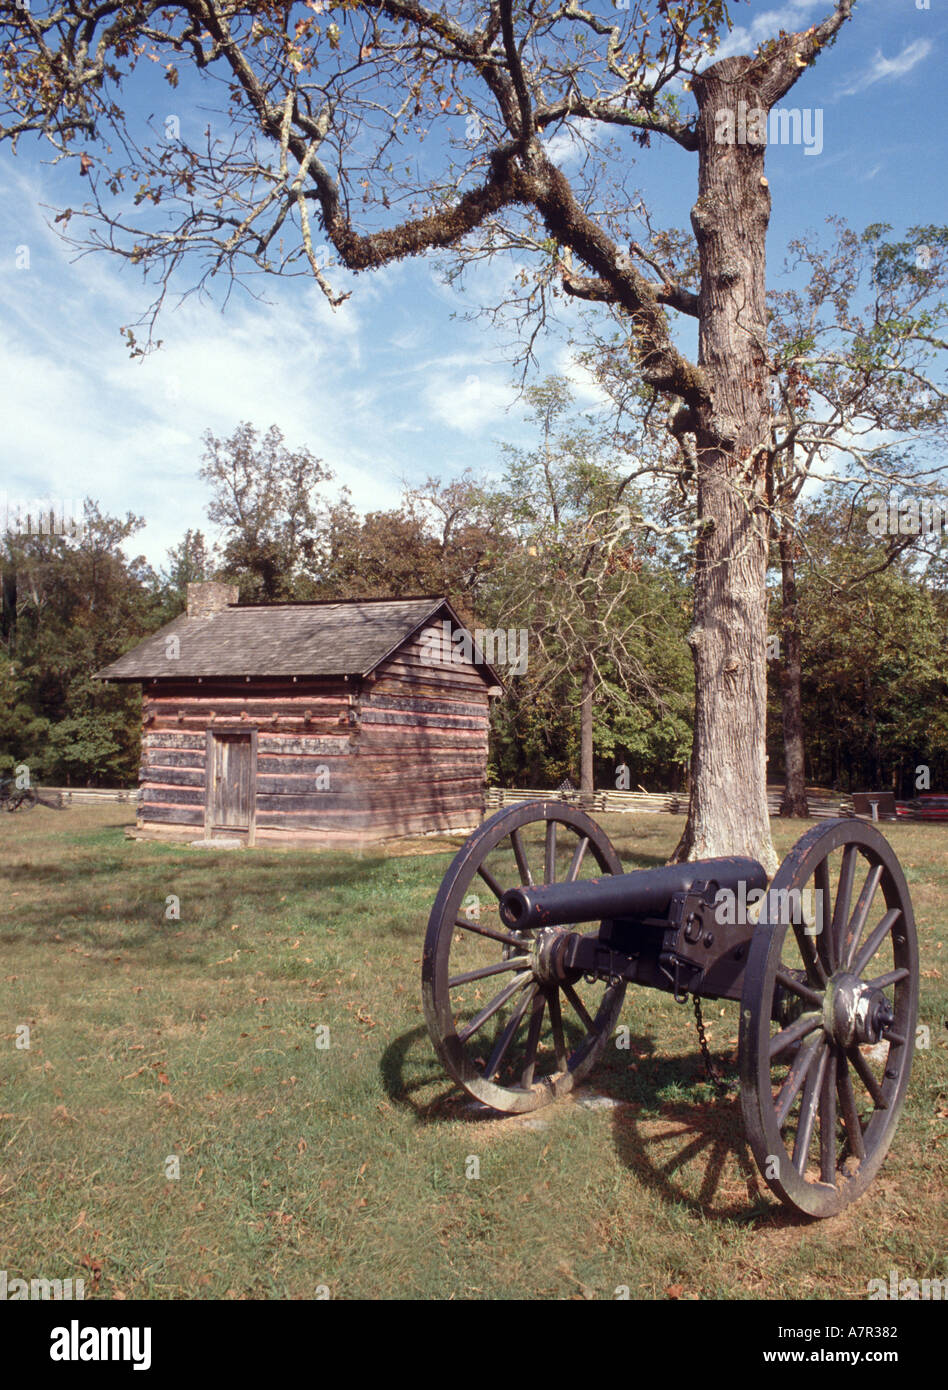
[(820, 804)]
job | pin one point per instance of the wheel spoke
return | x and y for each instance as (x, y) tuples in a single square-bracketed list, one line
[(828, 1120), (507, 1036), (579, 854), (864, 1072), (821, 880), (858, 922), (556, 1022), (795, 986), (847, 1104), (891, 977), (533, 1039), (799, 1070), (579, 1006), (520, 854), (808, 1108), (844, 895), (876, 939), (811, 961), (505, 936), (498, 1002), (794, 1033), (491, 882), (514, 963), (549, 857)]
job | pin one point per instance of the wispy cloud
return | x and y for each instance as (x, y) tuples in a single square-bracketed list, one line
[(568, 143), (468, 404), (791, 17), (881, 67)]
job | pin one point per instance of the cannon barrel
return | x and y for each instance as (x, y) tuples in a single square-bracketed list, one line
[(644, 893)]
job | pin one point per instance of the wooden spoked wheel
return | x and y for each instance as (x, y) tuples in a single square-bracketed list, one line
[(828, 1014), (504, 1029)]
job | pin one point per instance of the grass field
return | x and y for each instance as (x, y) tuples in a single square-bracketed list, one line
[(344, 1169)]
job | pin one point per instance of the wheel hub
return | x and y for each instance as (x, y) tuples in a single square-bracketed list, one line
[(855, 1012), (546, 954)]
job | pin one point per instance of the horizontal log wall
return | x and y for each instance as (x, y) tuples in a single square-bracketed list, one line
[(303, 741), (423, 733), (403, 753)]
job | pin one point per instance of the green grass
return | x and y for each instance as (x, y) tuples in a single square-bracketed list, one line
[(345, 1167)]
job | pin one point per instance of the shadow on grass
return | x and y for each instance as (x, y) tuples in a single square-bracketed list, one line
[(410, 1066), (636, 859), (661, 1129), (702, 1135), (707, 1136)]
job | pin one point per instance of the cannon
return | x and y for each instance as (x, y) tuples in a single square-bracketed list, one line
[(536, 932)]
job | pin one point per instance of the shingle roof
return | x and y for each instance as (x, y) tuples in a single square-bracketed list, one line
[(282, 639)]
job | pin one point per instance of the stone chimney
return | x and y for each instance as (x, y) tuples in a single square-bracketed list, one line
[(209, 597)]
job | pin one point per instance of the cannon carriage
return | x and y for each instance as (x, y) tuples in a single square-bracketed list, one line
[(536, 933)]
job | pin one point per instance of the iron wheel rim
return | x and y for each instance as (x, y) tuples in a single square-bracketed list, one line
[(803, 1085), (462, 1055)]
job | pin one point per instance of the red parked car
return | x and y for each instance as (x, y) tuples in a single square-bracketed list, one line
[(928, 806)]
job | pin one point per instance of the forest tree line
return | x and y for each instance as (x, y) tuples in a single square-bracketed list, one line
[(559, 541)]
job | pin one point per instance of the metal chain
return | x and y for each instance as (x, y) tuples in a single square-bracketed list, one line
[(720, 1085)]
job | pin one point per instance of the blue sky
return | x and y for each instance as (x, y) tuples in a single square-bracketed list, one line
[(391, 387)]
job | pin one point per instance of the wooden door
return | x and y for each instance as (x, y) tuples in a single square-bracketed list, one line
[(229, 803)]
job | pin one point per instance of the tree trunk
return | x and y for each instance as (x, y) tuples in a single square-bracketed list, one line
[(586, 730), (728, 809), (794, 792)]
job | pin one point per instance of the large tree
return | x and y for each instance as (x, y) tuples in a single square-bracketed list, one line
[(320, 100), (858, 349)]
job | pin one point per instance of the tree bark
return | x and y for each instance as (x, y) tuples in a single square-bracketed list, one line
[(586, 730), (728, 809), (791, 678)]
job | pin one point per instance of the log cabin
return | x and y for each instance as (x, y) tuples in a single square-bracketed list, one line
[(329, 723)]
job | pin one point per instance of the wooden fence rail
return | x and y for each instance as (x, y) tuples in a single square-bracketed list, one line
[(87, 796), (820, 804)]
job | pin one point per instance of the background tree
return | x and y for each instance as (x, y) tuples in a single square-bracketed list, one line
[(859, 355), (80, 603), (440, 540), (873, 655), (576, 581), (263, 498), (191, 561), (317, 108)]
